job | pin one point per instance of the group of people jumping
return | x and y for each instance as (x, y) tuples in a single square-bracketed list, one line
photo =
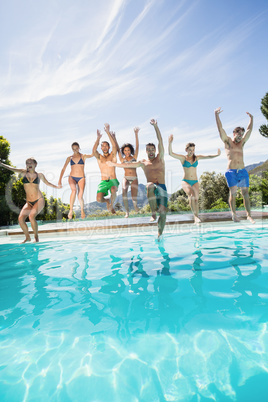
[(154, 170)]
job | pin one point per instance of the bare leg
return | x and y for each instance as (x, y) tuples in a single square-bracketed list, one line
[(134, 194), (195, 199), (100, 198), (245, 195), (124, 194), (24, 213), (72, 184), (193, 194), (81, 188), (232, 198), (113, 197), (162, 219), (36, 209), (152, 200)]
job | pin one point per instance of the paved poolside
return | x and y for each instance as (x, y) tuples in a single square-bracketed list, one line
[(133, 225)]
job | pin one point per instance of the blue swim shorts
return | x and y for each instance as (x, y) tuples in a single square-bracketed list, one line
[(237, 177)]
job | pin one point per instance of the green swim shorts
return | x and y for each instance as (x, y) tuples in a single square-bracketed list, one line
[(105, 186)]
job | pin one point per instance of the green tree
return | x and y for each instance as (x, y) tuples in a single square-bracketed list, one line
[(175, 195), (264, 187), (5, 176), (212, 187), (219, 205), (264, 109), (181, 203)]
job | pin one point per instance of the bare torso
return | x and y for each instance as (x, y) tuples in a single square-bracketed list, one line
[(189, 172), (130, 172), (107, 172), (234, 153), (78, 169), (154, 170), (32, 189)]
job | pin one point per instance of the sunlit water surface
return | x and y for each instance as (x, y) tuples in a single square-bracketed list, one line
[(131, 319)]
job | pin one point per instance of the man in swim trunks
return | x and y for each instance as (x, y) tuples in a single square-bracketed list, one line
[(154, 169), (236, 174), (109, 181)]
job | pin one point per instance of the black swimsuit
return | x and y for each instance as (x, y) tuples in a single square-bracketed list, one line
[(25, 180)]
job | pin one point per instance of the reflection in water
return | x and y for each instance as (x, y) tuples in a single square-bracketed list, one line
[(144, 320), (248, 270)]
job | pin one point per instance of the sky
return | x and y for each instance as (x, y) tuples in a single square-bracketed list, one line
[(67, 67)]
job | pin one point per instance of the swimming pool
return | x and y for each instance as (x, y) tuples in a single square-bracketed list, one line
[(131, 319)]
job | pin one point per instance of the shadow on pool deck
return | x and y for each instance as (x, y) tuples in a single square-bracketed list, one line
[(138, 224)]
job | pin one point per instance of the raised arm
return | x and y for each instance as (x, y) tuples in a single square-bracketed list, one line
[(161, 150), (198, 157), (111, 138), (95, 146), (126, 165), (223, 134), (42, 177), (63, 170), (86, 156), (136, 131), (171, 153), (117, 146), (12, 168), (249, 128)]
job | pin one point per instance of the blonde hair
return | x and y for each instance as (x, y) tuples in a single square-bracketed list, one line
[(31, 159)]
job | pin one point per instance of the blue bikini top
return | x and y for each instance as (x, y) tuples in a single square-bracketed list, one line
[(80, 162), (188, 164)]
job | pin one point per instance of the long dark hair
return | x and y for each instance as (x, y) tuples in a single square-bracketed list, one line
[(132, 152), (190, 144)]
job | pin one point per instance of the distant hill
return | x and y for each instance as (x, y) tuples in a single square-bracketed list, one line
[(253, 166), (259, 168), (141, 201)]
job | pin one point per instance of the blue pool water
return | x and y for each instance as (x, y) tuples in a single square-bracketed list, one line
[(130, 319)]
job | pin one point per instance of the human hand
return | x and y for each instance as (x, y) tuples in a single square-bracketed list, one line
[(219, 151), (153, 122), (136, 130), (59, 185), (218, 110), (170, 138), (99, 135), (110, 163), (250, 115), (113, 134), (107, 127)]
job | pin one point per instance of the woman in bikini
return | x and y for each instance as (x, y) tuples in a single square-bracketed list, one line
[(190, 182), (34, 199), (127, 154), (77, 178)]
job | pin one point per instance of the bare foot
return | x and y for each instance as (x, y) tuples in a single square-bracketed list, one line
[(127, 214), (250, 219), (137, 209), (27, 239), (70, 215), (36, 239), (197, 220), (235, 218), (83, 215), (113, 211), (153, 217), (108, 205)]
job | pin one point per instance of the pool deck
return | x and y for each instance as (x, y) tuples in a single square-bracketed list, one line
[(133, 225)]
